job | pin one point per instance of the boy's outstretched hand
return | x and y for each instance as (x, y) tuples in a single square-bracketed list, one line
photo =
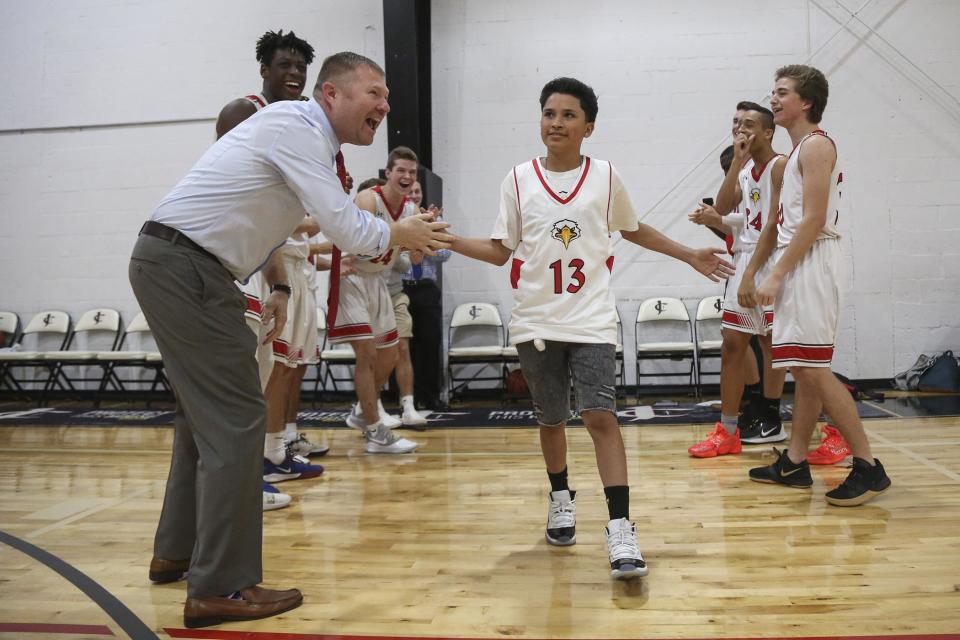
[(708, 262)]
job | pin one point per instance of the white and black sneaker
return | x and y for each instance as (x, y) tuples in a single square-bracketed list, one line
[(381, 440), (562, 518), (762, 430), (625, 559)]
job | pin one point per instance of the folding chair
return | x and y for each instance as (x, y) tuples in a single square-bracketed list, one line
[(663, 332), (337, 355), (10, 332), (476, 340), (9, 327), (97, 330), (706, 328), (126, 355), (45, 329)]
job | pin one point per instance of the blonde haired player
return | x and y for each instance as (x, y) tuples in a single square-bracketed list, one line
[(803, 284)]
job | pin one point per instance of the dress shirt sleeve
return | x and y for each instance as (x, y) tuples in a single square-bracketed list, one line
[(299, 152)]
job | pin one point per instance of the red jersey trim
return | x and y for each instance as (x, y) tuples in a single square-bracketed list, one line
[(610, 264), (576, 190), (350, 331), (756, 175), (516, 186), (403, 203), (802, 353), (515, 272), (609, 198), (257, 100)]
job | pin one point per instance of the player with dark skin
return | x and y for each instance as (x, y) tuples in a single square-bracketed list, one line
[(284, 73)]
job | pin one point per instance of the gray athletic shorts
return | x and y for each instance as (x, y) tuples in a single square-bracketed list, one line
[(548, 374)]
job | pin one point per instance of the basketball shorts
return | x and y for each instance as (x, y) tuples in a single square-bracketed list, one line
[(401, 309), (755, 320), (593, 369), (297, 343), (253, 293), (364, 311), (808, 308)]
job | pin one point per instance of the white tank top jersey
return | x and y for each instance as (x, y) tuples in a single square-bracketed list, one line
[(791, 196), (563, 250), (756, 187), (384, 261)]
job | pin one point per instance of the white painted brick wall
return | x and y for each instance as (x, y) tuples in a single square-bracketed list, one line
[(668, 76), (72, 200)]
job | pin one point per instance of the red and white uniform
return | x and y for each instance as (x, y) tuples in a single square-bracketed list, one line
[(364, 309), (756, 188), (808, 305), (297, 343), (559, 227)]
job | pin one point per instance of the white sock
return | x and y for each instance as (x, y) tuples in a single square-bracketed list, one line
[(407, 402), (729, 423), (290, 431), (274, 449)]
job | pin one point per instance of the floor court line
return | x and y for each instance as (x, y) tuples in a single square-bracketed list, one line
[(913, 455)]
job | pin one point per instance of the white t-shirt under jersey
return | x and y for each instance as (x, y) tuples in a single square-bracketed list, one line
[(563, 249)]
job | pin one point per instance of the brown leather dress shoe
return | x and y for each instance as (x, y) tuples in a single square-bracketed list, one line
[(254, 603), (163, 571)]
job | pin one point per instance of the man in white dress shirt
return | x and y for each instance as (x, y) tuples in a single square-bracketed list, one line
[(221, 223)]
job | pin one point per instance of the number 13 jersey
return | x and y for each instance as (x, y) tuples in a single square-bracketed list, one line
[(559, 227)]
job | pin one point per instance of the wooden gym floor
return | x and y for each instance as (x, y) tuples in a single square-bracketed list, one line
[(448, 542)]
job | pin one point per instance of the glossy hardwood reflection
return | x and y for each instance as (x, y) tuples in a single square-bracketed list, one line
[(448, 542)]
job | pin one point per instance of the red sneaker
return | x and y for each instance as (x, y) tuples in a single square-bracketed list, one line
[(833, 448), (718, 443)]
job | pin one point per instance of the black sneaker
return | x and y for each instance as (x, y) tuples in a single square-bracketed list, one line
[(763, 430), (747, 416), (864, 483), (784, 471)]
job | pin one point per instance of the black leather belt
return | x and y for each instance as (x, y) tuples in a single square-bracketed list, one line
[(418, 283), (171, 235)]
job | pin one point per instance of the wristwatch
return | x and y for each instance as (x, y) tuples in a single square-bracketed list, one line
[(282, 287)]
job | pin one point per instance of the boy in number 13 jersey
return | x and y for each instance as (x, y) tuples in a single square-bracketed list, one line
[(557, 216)]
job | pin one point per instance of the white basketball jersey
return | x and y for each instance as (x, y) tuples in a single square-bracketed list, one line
[(756, 187), (385, 260), (791, 197), (563, 252)]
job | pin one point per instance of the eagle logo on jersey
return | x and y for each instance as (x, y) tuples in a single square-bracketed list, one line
[(566, 231), (754, 195)]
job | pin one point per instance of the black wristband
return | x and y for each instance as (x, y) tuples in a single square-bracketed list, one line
[(282, 287)]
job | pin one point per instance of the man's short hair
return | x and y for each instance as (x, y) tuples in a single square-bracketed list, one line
[(270, 42), (575, 88), (766, 121), (811, 85), (400, 153), (726, 159), (344, 62), (369, 183)]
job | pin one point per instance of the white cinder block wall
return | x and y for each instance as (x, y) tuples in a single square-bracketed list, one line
[(106, 105), (668, 76)]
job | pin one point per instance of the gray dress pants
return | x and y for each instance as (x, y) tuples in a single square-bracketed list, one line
[(212, 509)]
